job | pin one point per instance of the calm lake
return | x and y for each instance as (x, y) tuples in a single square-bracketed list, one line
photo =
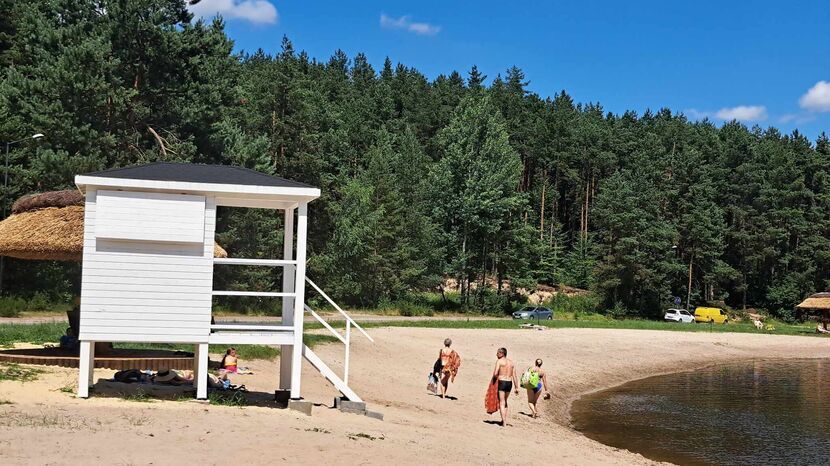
[(764, 412)]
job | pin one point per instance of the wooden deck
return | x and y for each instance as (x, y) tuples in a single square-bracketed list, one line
[(117, 359)]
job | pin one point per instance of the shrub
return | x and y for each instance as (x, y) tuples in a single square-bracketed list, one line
[(409, 309), (580, 304), (39, 302), (618, 311), (490, 302), (11, 307)]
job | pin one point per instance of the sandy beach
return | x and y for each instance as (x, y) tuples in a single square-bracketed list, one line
[(44, 425)]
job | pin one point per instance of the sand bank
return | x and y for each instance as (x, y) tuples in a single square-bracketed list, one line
[(45, 425)]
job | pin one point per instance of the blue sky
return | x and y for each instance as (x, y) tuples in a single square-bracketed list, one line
[(760, 62)]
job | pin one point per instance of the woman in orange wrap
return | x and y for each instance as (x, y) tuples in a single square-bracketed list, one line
[(450, 362)]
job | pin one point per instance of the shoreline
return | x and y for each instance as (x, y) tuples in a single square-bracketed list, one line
[(659, 373)]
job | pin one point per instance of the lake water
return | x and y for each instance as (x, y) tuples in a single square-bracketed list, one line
[(758, 413)]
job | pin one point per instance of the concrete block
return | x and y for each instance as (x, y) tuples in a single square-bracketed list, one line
[(350, 406), (374, 415), (301, 406)]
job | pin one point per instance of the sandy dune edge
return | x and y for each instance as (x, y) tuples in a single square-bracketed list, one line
[(47, 426)]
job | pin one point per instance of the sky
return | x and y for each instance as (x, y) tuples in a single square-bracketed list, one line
[(760, 62)]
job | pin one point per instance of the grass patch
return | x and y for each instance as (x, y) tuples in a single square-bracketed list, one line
[(18, 373), (226, 398), (6, 402), (595, 322), (140, 396), (311, 339), (69, 388), (37, 334)]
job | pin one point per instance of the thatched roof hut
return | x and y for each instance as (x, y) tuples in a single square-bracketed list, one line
[(817, 302), (50, 226)]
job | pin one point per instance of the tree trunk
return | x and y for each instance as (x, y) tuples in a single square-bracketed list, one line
[(542, 206), (689, 290)]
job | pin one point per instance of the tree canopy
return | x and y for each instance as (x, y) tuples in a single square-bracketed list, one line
[(422, 179)]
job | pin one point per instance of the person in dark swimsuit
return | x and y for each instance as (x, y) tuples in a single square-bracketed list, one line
[(505, 374)]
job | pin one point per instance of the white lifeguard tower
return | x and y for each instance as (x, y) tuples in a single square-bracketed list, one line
[(148, 266)]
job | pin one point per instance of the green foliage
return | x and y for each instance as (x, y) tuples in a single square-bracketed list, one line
[(226, 398), (18, 373), (11, 307), (37, 334), (421, 179), (562, 304)]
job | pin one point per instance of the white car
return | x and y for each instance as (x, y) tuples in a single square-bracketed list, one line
[(679, 315)]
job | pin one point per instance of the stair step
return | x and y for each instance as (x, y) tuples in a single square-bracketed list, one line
[(338, 383)]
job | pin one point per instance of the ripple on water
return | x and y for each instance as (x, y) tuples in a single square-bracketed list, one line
[(755, 413)]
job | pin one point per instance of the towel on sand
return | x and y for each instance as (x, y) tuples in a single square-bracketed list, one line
[(491, 399)]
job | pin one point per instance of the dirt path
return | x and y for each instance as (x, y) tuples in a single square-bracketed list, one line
[(391, 376), (331, 316)]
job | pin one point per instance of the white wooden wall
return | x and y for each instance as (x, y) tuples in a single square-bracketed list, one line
[(147, 278)]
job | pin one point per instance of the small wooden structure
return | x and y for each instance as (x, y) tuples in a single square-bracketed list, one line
[(819, 305), (148, 264), (50, 226)]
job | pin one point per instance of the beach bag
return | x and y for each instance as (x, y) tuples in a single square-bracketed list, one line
[(432, 383), (491, 398), (530, 379)]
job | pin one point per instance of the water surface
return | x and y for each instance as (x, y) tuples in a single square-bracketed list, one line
[(756, 413)]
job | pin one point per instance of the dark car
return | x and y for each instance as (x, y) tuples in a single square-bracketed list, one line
[(532, 312)]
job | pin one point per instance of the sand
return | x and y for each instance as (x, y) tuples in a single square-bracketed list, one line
[(47, 426)]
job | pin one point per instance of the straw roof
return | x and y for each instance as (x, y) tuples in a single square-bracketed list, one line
[(43, 232), (818, 301), (49, 199), (53, 233)]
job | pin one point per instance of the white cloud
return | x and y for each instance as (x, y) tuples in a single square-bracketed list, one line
[(255, 11), (742, 113), (696, 114), (817, 99), (405, 22), (797, 118)]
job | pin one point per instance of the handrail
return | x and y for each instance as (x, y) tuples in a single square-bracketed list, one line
[(347, 316), (325, 324), (268, 294), (252, 327), (258, 262)]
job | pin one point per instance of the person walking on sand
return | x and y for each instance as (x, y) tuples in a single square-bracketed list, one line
[(536, 374), (505, 374), (450, 362)]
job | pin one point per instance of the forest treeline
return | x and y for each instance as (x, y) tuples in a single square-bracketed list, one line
[(460, 176)]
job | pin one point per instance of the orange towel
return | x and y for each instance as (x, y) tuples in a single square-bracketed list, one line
[(453, 364), (491, 399)]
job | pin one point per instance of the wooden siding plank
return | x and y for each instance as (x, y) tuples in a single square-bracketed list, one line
[(149, 216)]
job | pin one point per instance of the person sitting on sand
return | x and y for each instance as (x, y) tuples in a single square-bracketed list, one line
[(229, 361), (450, 362), (70, 340), (505, 375), (534, 392)]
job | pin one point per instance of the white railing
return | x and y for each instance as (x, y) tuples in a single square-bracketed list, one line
[(345, 339)]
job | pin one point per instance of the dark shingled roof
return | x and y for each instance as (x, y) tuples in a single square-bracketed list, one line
[(197, 173)]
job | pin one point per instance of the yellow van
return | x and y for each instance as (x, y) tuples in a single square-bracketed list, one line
[(711, 315)]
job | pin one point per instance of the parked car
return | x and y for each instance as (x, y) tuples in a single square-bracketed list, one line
[(679, 315), (712, 315), (531, 312)]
